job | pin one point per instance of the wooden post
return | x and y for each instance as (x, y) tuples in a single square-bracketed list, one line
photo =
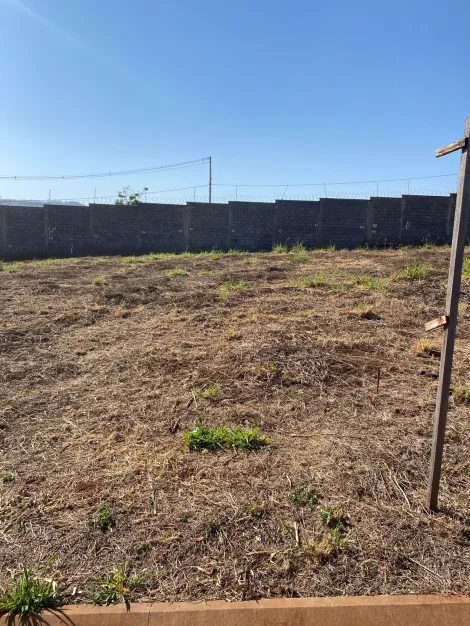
[(210, 180), (452, 302)]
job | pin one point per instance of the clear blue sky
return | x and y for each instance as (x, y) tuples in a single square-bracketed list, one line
[(276, 91)]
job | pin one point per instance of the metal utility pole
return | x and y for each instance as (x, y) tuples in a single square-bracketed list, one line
[(449, 320), (210, 180)]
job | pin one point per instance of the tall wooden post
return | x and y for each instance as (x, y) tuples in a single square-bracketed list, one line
[(450, 319)]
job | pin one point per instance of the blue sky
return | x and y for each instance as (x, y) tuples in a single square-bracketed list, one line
[(278, 92)]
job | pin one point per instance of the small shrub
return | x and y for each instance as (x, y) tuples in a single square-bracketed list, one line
[(176, 271), (104, 519), (128, 260), (223, 438), (11, 268), (117, 586), (418, 270), (29, 596), (331, 517), (7, 477), (280, 248), (211, 527), (304, 495), (99, 280), (461, 392)]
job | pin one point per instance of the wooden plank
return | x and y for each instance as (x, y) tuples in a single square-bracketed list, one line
[(435, 323), (452, 147), (452, 303)]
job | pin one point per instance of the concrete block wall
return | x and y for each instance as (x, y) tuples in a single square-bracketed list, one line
[(161, 227), (297, 222), (52, 230), (252, 225), (209, 227), (343, 222), (383, 221)]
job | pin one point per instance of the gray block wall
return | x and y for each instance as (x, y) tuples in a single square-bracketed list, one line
[(52, 230), (297, 222)]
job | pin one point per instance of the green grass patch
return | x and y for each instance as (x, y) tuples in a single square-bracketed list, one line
[(29, 596), (228, 287), (466, 267), (7, 477), (156, 256), (280, 248), (128, 260), (418, 270), (224, 438), (368, 281), (317, 280), (99, 280), (215, 255), (176, 271), (235, 251), (304, 496), (461, 392), (11, 268), (209, 393)]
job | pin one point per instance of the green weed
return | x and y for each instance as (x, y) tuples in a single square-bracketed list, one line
[(128, 260), (211, 527), (418, 270), (209, 393), (280, 248), (7, 477), (304, 495), (155, 256), (29, 596), (176, 271), (11, 268), (223, 438), (235, 251), (331, 516), (104, 519), (117, 586), (215, 255), (99, 280), (256, 510)]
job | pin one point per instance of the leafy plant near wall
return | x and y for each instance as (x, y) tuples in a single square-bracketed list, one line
[(129, 197)]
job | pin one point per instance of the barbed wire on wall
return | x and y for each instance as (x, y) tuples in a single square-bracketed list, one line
[(153, 198)]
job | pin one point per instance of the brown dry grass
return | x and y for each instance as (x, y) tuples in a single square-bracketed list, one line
[(97, 384)]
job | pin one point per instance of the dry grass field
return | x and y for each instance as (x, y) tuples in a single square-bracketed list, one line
[(107, 362)]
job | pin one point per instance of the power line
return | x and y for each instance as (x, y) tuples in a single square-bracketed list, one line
[(148, 193), (174, 166)]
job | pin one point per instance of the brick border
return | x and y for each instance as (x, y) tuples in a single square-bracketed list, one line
[(334, 611)]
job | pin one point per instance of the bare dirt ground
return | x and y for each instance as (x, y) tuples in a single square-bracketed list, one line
[(100, 381)]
